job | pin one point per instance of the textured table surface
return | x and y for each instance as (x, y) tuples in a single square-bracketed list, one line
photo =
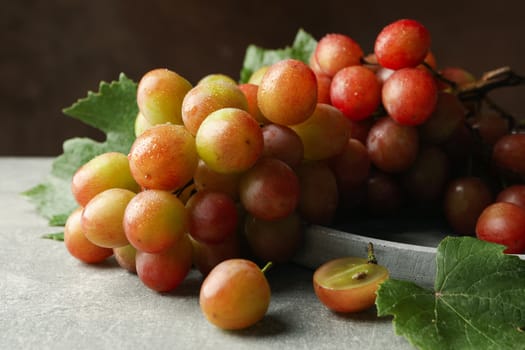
[(49, 300)]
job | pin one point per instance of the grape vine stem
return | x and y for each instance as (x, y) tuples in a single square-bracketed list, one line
[(496, 78)]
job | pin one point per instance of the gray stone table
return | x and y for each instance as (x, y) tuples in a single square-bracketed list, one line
[(49, 300)]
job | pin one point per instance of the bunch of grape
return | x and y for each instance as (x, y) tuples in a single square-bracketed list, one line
[(222, 170), (424, 140)]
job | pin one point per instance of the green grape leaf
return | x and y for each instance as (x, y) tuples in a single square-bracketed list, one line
[(256, 57), (113, 110), (478, 301), (57, 236)]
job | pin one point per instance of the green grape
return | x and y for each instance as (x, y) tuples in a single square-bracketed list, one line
[(102, 218), (229, 140), (159, 96), (105, 171), (324, 134), (208, 97)]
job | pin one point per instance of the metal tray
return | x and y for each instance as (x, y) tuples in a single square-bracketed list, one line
[(407, 250)]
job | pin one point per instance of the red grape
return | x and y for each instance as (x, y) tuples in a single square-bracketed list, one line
[(513, 194), (270, 190), (403, 43), (503, 223), (392, 147), (164, 271), (509, 154), (356, 92), (212, 216), (465, 199), (409, 95), (335, 52)]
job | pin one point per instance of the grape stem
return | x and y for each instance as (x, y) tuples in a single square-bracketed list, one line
[(371, 256), (266, 267), (499, 77)]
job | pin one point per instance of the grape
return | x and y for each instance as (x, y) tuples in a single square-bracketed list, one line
[(409, 95), (270, 190), (141, 124), (208, 179), (509, 156), (163, 157), (206, 98), (430, 60), (276, 240), (220, 171), (359, 129), (465, 199), (102, 218), (314, 65), (280, 99), (217, 77), (335, 52), (250, 92), (348, 284), (78, 245), (318, 192), (323, 88), (490, 127), (383, 74), (212, 216), (282, 143), (384, 194), (256, 76), (105, 171), (165, 271), (326, 123), (392, 147), (155, 220), (356, 92), (125, 257), (159, 96), (459, 146), (235, 294), (351, 167), (206, 256), (229, 141), (457, 75), (403, 43), (513, 194), (425, 181), (503, 223), (447, 117)]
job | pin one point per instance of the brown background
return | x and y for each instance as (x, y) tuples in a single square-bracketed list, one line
[(52, 52)]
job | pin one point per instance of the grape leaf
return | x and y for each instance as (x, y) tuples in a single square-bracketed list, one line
[(57, 236), (112, 109), (478, 301), (256, 57)]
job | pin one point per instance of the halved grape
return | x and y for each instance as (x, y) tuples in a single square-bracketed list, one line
[(348, 284)]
